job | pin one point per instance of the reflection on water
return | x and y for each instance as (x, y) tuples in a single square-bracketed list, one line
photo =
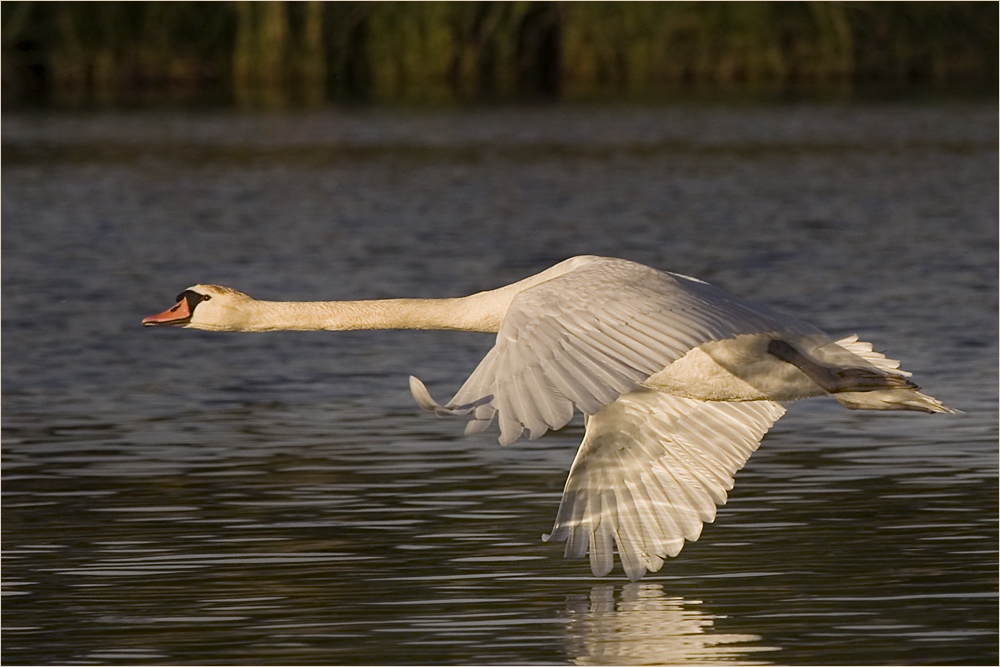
[(646, 627), (180, 497)]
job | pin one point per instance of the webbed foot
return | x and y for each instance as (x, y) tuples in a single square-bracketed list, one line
[(836, 379)]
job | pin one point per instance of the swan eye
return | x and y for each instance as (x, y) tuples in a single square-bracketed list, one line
[(193, 298)]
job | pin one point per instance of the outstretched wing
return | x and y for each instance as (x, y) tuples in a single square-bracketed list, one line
[(650, 471), (588, 336)]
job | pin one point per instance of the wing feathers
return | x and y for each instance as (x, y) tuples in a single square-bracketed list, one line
[(601, 540), (650, 471), (592, 333)]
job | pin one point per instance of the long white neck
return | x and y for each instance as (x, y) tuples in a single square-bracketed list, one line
[(478, 312), (472, 313)]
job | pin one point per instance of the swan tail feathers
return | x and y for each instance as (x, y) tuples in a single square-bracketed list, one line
[(866, 351), (904, 397)]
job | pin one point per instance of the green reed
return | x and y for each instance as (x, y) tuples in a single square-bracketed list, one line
[(272, 53)]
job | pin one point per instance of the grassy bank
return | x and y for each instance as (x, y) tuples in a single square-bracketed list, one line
[(274, 53)]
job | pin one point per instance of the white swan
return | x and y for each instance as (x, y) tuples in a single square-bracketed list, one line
[(678, 380)]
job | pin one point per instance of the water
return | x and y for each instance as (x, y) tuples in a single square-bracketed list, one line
[(180, 497)]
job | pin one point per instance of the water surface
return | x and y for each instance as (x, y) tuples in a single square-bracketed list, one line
[(184, 497)]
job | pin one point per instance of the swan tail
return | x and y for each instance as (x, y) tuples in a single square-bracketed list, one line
[(866, 352), (904, 397)]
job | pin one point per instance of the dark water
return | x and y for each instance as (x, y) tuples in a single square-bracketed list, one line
[(183, 497)]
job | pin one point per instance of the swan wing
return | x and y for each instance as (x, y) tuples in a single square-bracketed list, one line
[(585, 337), (650, 471)]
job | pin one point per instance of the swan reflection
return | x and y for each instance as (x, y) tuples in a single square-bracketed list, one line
[(642, 626)]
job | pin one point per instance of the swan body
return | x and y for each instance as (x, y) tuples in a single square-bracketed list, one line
[(678, 380)]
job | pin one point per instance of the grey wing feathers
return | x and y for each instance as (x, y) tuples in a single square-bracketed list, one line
[(590, 335), (650, 471)]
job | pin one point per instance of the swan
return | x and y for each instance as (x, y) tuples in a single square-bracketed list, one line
[(677, 379)]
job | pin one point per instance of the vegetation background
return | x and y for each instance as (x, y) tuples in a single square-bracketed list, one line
[(309, 53)]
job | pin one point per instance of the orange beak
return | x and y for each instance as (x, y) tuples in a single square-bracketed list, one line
[(179, 314)]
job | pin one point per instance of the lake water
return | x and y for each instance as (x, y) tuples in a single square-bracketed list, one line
[(181, 497)]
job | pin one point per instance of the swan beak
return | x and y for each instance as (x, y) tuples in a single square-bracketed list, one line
[(179, 314)]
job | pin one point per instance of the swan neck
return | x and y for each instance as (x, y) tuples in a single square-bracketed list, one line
[(461, 314), (483, 311)]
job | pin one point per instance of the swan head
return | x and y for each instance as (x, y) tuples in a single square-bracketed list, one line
[(209, 307)]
